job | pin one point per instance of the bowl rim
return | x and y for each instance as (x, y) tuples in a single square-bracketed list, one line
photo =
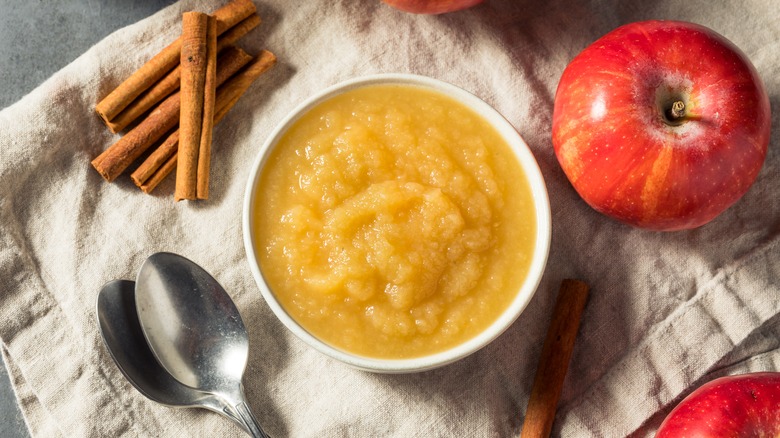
[(540, 200)]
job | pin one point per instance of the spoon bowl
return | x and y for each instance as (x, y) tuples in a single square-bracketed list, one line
[(194, 329), (124, 339)]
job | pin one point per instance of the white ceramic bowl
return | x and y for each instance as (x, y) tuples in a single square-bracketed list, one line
[(541, 247)]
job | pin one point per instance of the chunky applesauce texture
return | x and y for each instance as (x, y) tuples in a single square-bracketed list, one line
[(393, 222)]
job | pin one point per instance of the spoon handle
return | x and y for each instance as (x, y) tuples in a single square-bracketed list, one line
[(230, 412), (251, 423)]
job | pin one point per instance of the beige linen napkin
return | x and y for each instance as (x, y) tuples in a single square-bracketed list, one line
[(667, 310)]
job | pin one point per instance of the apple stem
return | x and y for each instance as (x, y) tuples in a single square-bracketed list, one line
[(677, 111)]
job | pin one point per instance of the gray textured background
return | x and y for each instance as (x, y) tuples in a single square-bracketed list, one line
[(37, 38)]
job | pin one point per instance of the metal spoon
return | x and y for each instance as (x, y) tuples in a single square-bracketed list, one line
[(194, 330), (121, 332)]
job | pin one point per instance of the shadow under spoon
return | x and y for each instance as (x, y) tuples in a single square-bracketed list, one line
[(122, 335)]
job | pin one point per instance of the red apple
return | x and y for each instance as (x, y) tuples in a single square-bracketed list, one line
[(743, 405), (431, 6), (661, 124)]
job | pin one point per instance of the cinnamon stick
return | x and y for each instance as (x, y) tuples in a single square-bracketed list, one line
[(151, 72), (196, 28), (114, 160), (163, 160), (156, 160), (209, 100), (159, 175), (170, 83), (157, 92), (554, 361), (232, 90), (233, 13), (235, 33)]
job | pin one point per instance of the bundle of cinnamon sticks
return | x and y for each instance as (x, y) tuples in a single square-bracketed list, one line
[(177, 97)]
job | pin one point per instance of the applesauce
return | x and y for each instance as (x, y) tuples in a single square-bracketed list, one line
[(392, 221)]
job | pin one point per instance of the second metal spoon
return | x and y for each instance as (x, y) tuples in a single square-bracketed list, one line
[(122, 335), (194, 329)]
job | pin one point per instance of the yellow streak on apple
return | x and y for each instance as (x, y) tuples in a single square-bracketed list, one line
[(655, 181), (570, 155)]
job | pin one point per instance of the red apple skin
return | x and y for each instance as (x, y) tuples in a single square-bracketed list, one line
[(745, 405), (623, 155), (432, 6)]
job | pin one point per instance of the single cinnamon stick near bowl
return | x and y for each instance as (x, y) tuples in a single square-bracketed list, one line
[(554, 361), (115, 160), (162, 161), (151, 72), (170, 83), (197, 30)]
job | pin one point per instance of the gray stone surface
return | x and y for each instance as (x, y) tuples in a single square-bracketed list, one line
[(11, 421), (37, 38)]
